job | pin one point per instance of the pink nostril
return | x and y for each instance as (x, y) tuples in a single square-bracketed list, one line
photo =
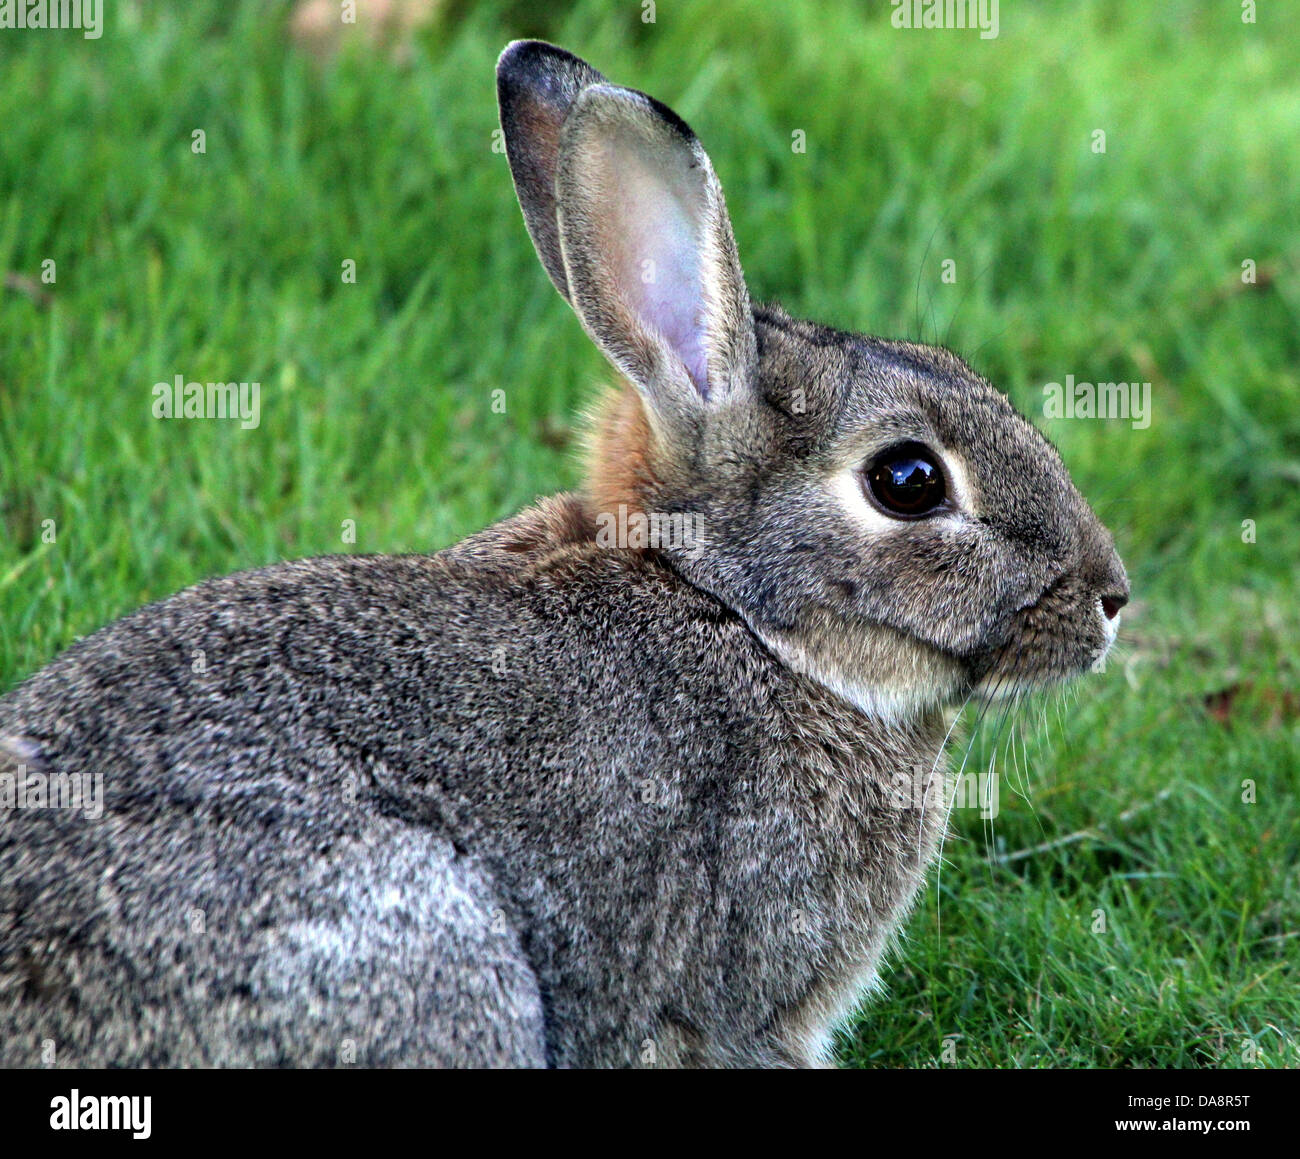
[(1112, 604)]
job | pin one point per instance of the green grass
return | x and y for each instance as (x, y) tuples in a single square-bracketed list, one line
[(921, 147)]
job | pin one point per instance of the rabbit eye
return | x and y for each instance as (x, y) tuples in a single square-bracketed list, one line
[(906, 481)]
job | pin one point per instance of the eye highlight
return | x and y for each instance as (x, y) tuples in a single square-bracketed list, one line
[(906, 481)]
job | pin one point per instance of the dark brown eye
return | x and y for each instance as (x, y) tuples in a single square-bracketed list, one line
[(906, 481)]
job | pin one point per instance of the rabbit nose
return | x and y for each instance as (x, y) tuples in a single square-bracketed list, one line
[(1111, 604), (1111, 583), (1114, 590)]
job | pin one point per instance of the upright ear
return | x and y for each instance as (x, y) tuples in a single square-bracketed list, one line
[(537, 84), (648, 258)]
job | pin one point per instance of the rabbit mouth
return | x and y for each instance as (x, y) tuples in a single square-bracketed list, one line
[(1062, 634), (1041, 665)]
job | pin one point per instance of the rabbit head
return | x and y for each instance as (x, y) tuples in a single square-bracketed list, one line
[(878, 514)]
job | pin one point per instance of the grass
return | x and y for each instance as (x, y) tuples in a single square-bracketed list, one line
[(1149, 916)]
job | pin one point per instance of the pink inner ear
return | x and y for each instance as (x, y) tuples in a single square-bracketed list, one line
[(654, 244)]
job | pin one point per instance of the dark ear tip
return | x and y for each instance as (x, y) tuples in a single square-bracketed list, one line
[(521, 60), (536, 86), (515, 55), (513, 65)]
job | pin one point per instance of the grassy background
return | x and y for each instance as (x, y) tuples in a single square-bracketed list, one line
[(921, 147)]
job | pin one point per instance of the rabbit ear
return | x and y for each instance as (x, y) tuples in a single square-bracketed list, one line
[(649, 255), (537, 84)]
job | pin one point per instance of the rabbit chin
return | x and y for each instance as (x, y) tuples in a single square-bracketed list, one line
[(1047, 670), (882, 672)]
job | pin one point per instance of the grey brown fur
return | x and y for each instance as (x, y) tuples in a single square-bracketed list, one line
[(534, 800)]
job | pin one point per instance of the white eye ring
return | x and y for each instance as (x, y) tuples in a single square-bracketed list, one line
[(847, 486)]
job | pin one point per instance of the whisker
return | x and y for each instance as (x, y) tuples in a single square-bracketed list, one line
[(952, 798), (1010, 704)]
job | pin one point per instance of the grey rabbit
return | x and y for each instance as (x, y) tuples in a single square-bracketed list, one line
[(614, 782)]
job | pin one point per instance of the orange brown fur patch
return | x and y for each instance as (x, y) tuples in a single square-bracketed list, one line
[(620, 449)]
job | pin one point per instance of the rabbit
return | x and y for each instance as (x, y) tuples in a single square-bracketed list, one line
[(612, 783)]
